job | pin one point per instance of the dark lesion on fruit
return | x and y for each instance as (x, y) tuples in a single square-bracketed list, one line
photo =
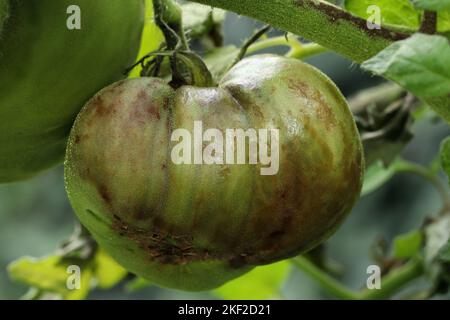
[(104, 193), (160, 246), (169, 248)]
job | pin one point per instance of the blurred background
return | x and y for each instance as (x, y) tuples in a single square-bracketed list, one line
[(35, 215)]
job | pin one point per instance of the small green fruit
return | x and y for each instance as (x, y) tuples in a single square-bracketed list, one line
[(48, 72), (195, 227)]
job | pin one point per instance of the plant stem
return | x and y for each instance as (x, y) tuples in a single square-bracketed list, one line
[(390, 284), (319, 22), (329, 284), (270, 43), (306, 51), (395, 280), (419, 170), (297, 51)]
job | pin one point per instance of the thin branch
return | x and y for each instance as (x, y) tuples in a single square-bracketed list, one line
[(328, 283)]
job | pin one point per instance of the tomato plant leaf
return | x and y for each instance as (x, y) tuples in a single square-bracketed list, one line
[(107, 271), (407, 245), (152, 37), (445, 156), (444, 253), (375, 176), (198, 19), (399, 12), (432, 5), (437, 235), (378, 174), (444, 21), (420, 64), (260, 283), (50, 274)]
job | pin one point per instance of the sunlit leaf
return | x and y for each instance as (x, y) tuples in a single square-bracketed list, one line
[(260, 283), (50, 274), (407, 245), (397, 12), (437, 235), (107, 271), (152, 37)]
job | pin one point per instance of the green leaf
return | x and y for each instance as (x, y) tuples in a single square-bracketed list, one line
[(260, 283), (378, 174), (444, 21), (432, 5), (420, 64), (152, 37), (407, 245), (107, 271), (375, 176), (50, 274), (394, 12), (444, 253), (199, 19), (445, 156), (220, 60), (437, 235)]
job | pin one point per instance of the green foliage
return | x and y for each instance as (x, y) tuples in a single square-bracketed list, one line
[(408, 245), (151, 37), (436, 253), (376, 175), (398, 12), (51, 274), (445, 156), (444, 253), (420, 64), (433, 5), (260, 283), (199, 19), (107, 272)]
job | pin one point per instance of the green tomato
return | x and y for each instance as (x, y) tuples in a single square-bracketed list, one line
[(195, 227), (48, 72)]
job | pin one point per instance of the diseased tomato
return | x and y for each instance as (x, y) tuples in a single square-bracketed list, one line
[(195, 227), (48, 72)]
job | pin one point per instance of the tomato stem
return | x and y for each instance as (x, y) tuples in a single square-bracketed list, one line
[(297, 50), (328, 283), (395, 280), (390, 284)]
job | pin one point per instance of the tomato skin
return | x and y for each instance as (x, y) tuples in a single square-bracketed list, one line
[(48, 72), (195, 227)]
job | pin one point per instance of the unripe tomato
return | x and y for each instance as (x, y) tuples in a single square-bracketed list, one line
[(194, 227), (48, 72)]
